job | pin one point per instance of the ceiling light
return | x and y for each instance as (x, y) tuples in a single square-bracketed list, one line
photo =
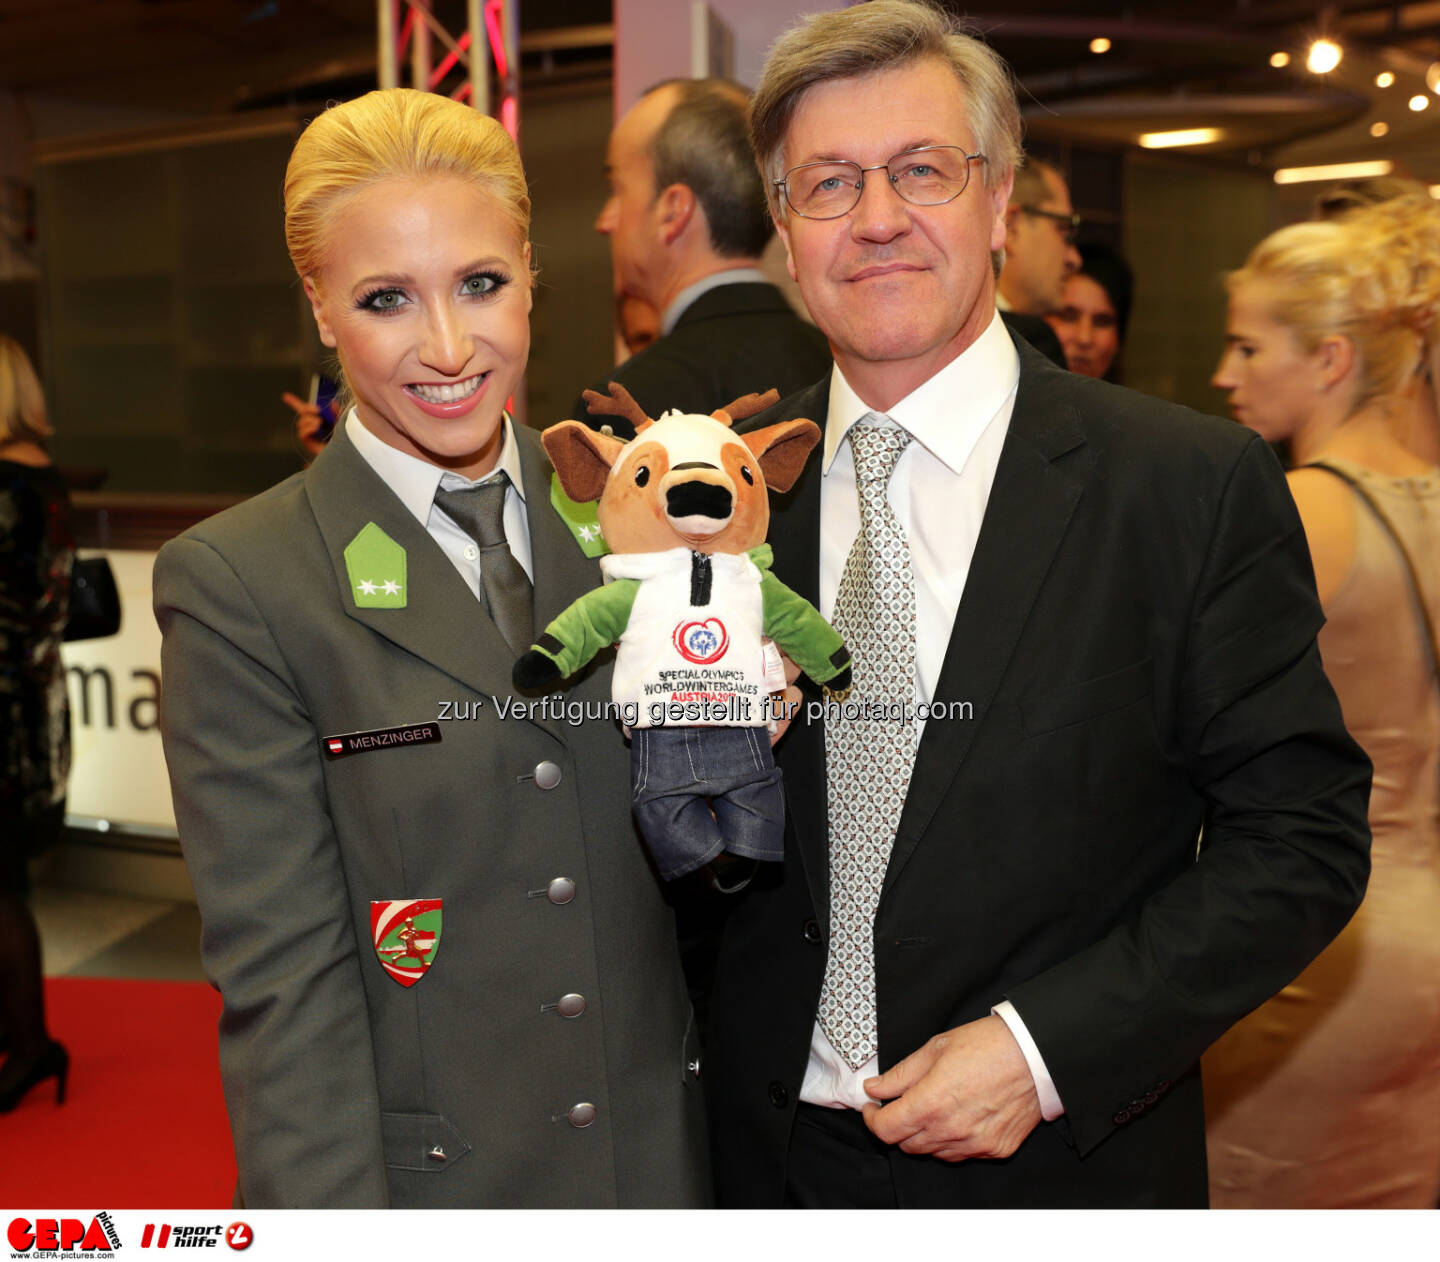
[(1099, 44), (1419, 102), (1279, 60), (1384, 79), (1379, 129), (1432, 77), (1323, 57), (1336, 171), (1173, 139), (1435, 191)]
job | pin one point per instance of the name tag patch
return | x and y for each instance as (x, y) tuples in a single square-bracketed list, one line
[(348, 743)]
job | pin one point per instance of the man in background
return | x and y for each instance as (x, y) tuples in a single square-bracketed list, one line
[(687, 223), (1040, 253)]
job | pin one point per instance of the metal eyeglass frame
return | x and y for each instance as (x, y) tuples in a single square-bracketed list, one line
[(784, 183), (1069, 224)]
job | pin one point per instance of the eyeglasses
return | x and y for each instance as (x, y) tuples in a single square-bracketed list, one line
[(1069, 225), (929, 176)]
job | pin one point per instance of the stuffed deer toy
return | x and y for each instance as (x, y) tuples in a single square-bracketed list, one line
[(689, 598)]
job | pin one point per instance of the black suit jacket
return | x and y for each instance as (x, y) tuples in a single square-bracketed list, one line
[(1037, 331), (1137, 640), (732, 340)]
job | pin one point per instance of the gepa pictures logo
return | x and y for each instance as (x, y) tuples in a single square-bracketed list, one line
[(73, 1237)]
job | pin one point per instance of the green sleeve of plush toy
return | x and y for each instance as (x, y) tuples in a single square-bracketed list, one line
[(797, 627), (590, 624)]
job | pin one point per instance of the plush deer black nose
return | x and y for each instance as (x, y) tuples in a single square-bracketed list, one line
[(697, 499)]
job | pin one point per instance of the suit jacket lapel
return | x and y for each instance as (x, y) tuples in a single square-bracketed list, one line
[(562, 571), (1030, 507), (442, 622)]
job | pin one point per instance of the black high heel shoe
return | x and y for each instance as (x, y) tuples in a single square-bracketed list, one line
[(53, 1062)]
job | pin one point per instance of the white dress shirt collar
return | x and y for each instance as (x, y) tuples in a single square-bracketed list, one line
[(984, 374), (686, 297), (414, 480)]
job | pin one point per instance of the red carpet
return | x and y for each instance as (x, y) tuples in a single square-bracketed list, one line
[(143, 1124)]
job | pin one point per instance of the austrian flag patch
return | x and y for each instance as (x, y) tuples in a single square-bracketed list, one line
[(406, 934)]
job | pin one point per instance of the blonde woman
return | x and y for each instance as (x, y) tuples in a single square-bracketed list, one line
[(36, 553), (1328, 1095), (449, 976)]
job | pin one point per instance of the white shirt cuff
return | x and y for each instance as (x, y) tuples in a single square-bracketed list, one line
[(1050, 1105)]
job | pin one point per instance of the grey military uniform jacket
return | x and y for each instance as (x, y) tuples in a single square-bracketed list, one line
[(474, 1086)]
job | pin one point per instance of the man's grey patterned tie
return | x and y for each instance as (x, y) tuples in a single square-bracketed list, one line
[(480, 512), (868, 763)]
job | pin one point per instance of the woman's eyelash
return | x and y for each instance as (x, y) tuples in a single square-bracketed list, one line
[(371, 301), (493, 282), (477, 285)]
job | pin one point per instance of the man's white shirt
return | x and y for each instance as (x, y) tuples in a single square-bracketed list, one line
[(957, 421)]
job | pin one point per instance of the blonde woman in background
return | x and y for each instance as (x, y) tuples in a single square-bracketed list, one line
[(448, 973), (36, 555), (1329, 1095)]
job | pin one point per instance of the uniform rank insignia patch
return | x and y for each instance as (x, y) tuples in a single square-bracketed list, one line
[(406, 933), (375, 564), (581, 518)]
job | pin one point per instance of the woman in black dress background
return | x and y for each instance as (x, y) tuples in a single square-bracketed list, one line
[(36, 554)]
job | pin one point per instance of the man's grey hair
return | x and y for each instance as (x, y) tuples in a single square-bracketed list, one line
[(883, 35), (703, 144)]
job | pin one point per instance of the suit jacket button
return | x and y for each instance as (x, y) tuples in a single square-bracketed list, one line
[(547, 775), (571, 1006), (581, 1116), (1122, 1117), (437, 1154), (779, 1097), (1151, 1097), (561, 890), (812, 931), (694, 1066)]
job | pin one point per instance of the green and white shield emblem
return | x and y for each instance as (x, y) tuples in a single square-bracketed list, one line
[(406, 933)]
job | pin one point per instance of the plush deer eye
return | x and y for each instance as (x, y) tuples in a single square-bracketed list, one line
[(747, 475), (642, 475)]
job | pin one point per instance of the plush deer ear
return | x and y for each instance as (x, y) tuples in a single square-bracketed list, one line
[(782, 450), (581, 457), (745, 406)]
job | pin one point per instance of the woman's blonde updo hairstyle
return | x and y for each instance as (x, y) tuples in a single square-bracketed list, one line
[(22, 402), (1399, 241), (397, 133), (1371, 277)]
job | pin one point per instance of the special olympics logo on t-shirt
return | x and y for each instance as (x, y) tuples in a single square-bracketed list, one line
[(701, 642)]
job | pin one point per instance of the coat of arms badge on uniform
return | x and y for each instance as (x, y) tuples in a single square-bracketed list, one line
[(406, 933)]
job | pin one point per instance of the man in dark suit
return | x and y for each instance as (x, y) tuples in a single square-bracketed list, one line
[(1040, 253), (687, 226), (1083, 625)]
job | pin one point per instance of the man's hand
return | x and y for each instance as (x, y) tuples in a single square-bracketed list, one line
[(784, 706), (966, 1093), (308, 423)]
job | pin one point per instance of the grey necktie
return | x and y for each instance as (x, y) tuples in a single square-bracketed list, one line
[(504, 586), (868, 762)]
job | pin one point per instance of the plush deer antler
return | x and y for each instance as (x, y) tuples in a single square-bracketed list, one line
[(619, 403), (746, 405)]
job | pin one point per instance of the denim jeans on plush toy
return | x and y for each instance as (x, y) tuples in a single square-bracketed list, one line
[(678, 774)]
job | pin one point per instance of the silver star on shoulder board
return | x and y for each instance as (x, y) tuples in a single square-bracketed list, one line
[(367, 588), (392, 588)]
